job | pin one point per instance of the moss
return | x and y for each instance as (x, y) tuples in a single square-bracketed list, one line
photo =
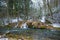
[(41, 27)]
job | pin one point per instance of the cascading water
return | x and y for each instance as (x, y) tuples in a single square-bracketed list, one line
[(56, 18), (43, 17), (5, 21), (39, 4), (24, 26)]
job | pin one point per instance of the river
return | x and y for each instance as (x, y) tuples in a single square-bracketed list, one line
[(37, 34)]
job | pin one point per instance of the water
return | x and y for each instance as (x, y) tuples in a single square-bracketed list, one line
[(36, 34), (11, 20), (3, 38), (43, 19), (24, 26)]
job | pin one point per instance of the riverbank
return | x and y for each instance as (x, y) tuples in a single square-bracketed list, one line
[(33, 34)]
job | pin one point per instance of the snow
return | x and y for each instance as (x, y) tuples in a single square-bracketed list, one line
[(3, 3), (56, 25), (6, 21), (15, 20)]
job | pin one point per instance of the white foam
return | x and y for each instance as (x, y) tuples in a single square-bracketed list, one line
[(24, 26), (43, 19), (3, 38)]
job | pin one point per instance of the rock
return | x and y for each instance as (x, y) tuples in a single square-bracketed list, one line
[(49, 27), (29, 23), (20, 24)]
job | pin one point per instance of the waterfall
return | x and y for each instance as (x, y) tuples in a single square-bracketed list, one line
[(5, 21), (56, 18), (24, 26), (43, 17), (56, 25)]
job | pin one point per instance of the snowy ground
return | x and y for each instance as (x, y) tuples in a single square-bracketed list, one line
[(56, 25), (6, 21)]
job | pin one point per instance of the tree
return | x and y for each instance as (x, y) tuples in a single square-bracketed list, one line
[(49, 7), (26, 8)]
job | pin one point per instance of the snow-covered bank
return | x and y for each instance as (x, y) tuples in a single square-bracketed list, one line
[(16, 20), (3, 38), (6, 21), (56, 25)]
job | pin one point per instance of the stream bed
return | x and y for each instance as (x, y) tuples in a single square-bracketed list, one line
[(36, 34)]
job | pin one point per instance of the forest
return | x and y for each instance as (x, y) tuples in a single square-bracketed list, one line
[(29, 19), (47, 11)]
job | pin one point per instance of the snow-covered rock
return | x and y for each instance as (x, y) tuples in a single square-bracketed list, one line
[(16, 20)]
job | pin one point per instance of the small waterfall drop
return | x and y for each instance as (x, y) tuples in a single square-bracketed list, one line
[(24, 26), (43, 19)]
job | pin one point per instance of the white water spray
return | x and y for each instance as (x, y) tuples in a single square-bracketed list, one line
[(24, 26), (43, 17)]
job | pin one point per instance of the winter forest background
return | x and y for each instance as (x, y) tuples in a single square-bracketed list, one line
[(39, 10)]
